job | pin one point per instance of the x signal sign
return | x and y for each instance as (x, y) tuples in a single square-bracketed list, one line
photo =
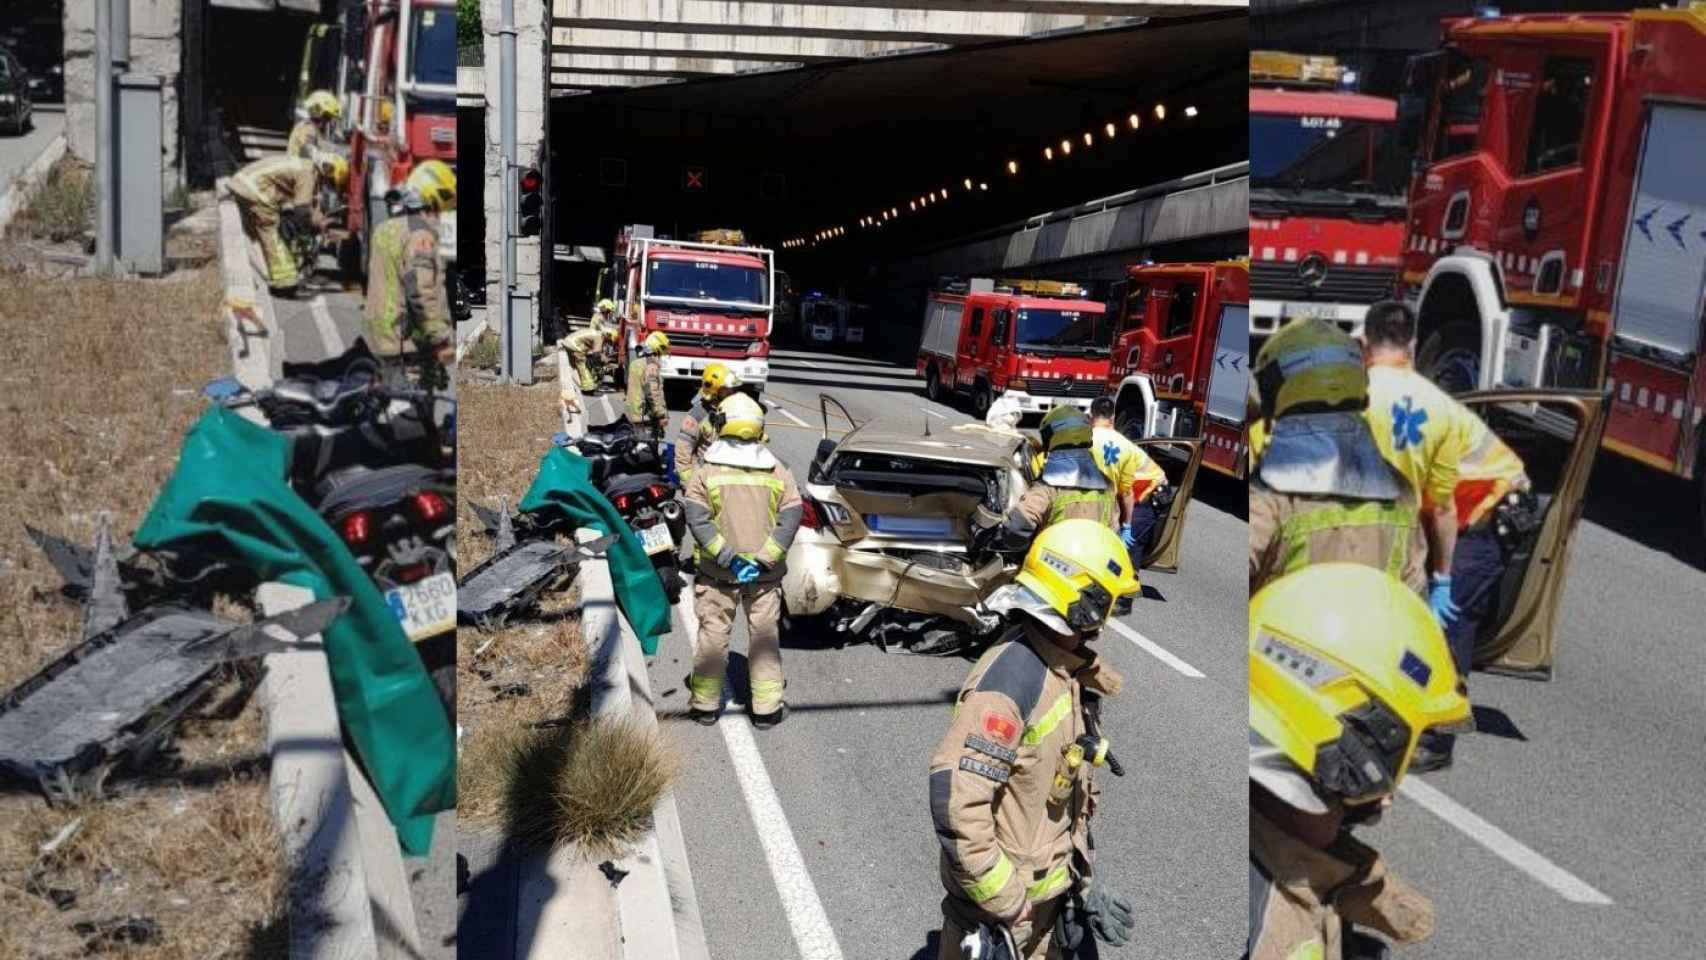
[(694, 178)]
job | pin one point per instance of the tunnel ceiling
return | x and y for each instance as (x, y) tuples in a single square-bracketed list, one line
[(785, 153)]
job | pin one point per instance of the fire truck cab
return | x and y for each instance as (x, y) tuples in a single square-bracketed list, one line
[(1181, 357), (1036, 342), (1557, 219)]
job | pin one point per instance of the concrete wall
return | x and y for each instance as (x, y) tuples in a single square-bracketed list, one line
[(532, 37), (156, 47)]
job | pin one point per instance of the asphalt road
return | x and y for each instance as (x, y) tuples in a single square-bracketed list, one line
[(16, 152), (1599, 771), (848, 769)]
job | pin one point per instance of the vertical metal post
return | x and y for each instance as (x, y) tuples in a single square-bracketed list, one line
[(104, 179), (506, 193), (121, 36)]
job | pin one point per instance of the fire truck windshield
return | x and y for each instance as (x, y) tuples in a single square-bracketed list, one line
[(432, 47), (1067, 330), (1325, 153), (706, 280)]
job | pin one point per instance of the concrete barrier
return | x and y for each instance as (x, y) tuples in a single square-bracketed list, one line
[(566, 908), (14, 195)]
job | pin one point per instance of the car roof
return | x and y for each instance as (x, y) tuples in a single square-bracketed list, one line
[(971, 443)]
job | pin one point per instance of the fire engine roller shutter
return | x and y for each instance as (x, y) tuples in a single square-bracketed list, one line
[(1228, 379), (1664, 253)]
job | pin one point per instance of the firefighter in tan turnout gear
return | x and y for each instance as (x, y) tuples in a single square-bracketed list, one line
[(1322, 491), (1069, 486), (583, 345), (1011, 787), (744, 510), (315, 133), (407, 306), (1348, 671), (699, 425), (646, 408), (268, 190)]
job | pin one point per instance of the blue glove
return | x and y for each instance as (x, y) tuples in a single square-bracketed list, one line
[(1439, 599), (1127, 537), (745, 569)]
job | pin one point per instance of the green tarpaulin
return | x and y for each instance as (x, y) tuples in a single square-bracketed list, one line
[(228, 497), (563, 486)]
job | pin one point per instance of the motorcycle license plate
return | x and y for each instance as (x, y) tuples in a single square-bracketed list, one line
[(427, 608), (656, 539)]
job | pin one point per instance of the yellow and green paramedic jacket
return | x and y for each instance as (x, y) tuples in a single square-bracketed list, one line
[(1489, 470), (1010, 797), (1125, 463), (405, 286), (1420, 430)]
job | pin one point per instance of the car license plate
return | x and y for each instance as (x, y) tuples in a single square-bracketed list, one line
[(656, 539), (427, 608), (1307, 311)]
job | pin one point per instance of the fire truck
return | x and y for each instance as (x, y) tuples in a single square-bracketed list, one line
[(1326, 195), (714, 297), (1038, 342), (400, 58), (1557, 217), (1181, 356)]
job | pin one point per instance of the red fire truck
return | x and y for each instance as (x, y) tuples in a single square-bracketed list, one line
[(402, 57), (1326, 195), (1034, 341), (1557, 224), (1181, 356), (713, 297)]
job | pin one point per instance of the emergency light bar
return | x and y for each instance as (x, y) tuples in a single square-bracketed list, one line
[(1295, 69)]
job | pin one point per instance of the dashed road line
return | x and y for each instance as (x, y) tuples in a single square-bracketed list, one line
[(609, 412), (1156, 650), (784, 411), (330, 340), (1507, 847), (939, 416)]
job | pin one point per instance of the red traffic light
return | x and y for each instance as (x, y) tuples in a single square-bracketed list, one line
[(531, 179)]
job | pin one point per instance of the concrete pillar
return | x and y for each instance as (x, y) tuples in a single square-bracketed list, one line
[(156, 47), (532, 38)]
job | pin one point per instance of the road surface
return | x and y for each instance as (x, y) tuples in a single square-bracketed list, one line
[(1571, 829), (818, 832), (17, 152)]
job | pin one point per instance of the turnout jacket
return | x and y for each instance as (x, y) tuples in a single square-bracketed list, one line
[(742, 510), (1071, 487), (405, 286), (1289, 531), (275, 183), (698, 431), (1011, 810), (1301, 897), (645, 392)]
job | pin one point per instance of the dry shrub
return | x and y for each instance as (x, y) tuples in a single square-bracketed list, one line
[(485, 353), (60, 207)]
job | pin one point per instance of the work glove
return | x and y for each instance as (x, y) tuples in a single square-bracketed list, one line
[(1439, 599), (745, 569), (1108, 916), (1127, 537)]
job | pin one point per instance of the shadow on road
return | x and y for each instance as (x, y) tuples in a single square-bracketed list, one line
[(931, 949), (1658, 511), (1496, 723), (1224, 493)]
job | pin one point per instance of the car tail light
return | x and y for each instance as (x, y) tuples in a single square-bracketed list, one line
[(622, 501), (429, 506), (810, 516), (658, 491), (412, 572), (357, 528)]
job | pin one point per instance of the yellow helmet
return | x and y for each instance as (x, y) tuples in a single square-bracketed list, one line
[(657, 342), (743, 418), (1078, 569), (606, 305), (719, 379), (1310, 363), (321, 105), (1347, 669), (1065, 427), (433, 183), (333, 167)]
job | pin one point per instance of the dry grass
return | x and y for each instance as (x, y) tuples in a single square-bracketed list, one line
[(100, 381), (58, 208)]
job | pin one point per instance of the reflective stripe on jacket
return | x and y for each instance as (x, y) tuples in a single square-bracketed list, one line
[(1044, 505), (734, 511), (1489, 470), (405, 286), (645, 391), (1291, 531)]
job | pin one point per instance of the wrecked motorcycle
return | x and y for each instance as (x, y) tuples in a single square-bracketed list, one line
[(637, 475)]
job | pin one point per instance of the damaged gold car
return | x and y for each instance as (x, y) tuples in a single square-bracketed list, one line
[(885, 550)]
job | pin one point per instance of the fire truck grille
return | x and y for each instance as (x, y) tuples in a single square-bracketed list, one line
[(707, 342), (1342, 284), (1065, 388)]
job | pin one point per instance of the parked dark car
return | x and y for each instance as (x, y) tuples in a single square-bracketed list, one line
[(48, 84), (15, 108)]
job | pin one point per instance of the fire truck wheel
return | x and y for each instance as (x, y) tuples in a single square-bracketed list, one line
[(1451, 357), (980, 401), (933, 384)]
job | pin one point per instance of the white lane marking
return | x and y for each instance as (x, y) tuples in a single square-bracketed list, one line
[(609, 414), (939, 416), (806, 917), (1508, 848), (326, 326), (1155, 650), (784, 411)]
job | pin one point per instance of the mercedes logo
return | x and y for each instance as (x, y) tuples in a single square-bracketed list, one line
[(1312, 270), (705, 342)]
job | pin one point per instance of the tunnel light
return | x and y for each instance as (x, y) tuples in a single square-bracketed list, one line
[(1048, 153), (1160, 111), (894, 211), (1066, 148), (968, 183), (1190, 111), (1134, 120), (983, 186), (1089, 139), (1109, 128), (944, 193), (914, 205), (1013, 168)]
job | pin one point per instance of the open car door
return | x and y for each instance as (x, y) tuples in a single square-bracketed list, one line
[(1180, 459), (1557, 435)]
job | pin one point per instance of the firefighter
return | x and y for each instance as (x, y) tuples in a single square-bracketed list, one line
[(1347, 669), (604, 315), (1011, 786), (646, 408), (1136, 477), (1069, 485), (407, 306), (267, 190), (1490, 478), (582, 346), (315, 133), (703, 419), (1321, 491), (744, 509), (1422, 431)]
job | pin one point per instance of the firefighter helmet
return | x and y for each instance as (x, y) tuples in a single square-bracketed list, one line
[(333, 167), (606, 305), (433, 185), (1076, 570), (1064, 427), (322, 105), (719, 379), (1310, 366), (743, 418), (1347, 670), (656, 343)]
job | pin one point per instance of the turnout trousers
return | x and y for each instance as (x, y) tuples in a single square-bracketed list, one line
[(715, 605)]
